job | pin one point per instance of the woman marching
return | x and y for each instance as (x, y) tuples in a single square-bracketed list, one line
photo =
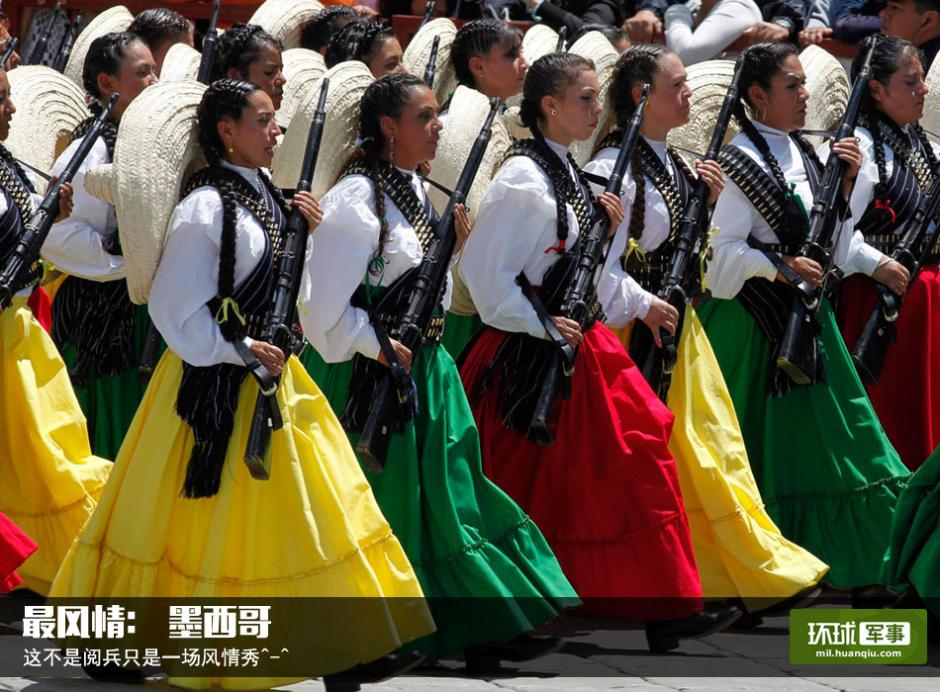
[(248, 52), (828, 474), (899, 167), (738, 549), (181, 516), (606, 493), (96, 326), (483, 563), (51, 481)]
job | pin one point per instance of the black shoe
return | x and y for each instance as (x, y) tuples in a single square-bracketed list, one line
[(374, 671), (797, 600), (748, 621), (664, 635), (874, 596), (112, 672), (485, 658)]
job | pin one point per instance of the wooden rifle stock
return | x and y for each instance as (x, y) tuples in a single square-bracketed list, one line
[(911, 250), (209, 45), (580, 292), (280, 318), (34, 235), (429, 285), (796, 349)]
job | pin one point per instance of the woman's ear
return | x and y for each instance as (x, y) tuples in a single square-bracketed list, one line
[(389, 127), (756, 96), (549, 106), (226, 130), (107, 84)]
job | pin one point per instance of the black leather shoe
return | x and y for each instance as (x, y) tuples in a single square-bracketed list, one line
[(374, 671), (797, 600), (485, 658), (111, 672), (663, 636)]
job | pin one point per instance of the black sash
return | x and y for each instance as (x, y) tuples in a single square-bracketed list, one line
[(207, 398)]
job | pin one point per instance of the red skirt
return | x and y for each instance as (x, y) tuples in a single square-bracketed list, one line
[(15, 547), (41, 306), (907, 397), (606, 494)]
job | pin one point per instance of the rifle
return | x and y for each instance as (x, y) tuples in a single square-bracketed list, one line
[(208, 45), (68, 40), (581, 291), (657, 364), (428, 11), (431, 67), (8, 51), (912, 249), (430, 282), (39, 50), (34, 235), (560, 43), (796, 349), (281, 317)]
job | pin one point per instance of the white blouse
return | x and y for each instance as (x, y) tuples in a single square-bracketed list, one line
[(863, 258), (733, 260), (36, 200), (338, 259), (76, 245), (188, 275)]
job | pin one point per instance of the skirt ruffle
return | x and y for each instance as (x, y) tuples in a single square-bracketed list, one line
[(15, 547), (907, 397), (606, 494), (913, 555), (485, 566), (829, 477), (51, 481), (312, 530)]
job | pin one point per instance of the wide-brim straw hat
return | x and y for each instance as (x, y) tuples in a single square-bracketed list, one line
[(931, 119), (416, 56), (181, 63), (49, 106), (285, 19), (302, 69), (595, 47), (348, 82), (512, 121), (538, 41), (828, 87), (114, 19), (157, 150), (709, 82), (457, 140)]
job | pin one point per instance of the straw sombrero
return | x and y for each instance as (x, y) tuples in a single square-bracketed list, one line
[(111, 20), (285, 19), (416, 56), (157, 150), (596, 48), (538, 41), (49, 106), (931, 119), (828, 87), (348, 82), (181, 62), (457, 139), (302, 69), (513, 123), (709, 82)]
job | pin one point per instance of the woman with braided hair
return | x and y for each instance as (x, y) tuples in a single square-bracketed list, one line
[(161, 29), (900, 165), (739, 551), (483, 563), (51, 481), (487, 56), (368, 41), (246, 51), (828, 474), (99, 331), (605, 493), (182, 517)]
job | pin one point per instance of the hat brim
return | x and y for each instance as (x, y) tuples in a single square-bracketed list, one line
[(302, 70), (418, 53), (709, 82), (181, 63), (285, 19), (111, 20), (595, 47), (828, 87)]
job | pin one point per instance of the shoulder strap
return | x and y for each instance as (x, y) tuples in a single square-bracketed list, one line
[(760, 188)]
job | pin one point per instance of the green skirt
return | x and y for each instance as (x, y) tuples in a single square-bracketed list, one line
[(829, 477), (109, 403), (484, 565), (913, 555), (458, 330)]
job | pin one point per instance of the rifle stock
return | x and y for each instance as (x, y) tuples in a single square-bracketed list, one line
[(429, 285), (579, 294), (277, 331), (34, 235), (209, 45), (431, 68), (68, 40)]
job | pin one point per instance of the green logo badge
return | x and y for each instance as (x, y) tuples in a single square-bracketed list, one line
[(880, 637)]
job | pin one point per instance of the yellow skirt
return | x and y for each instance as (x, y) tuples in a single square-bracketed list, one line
[(51, 482), (739, 550), (312, 530)]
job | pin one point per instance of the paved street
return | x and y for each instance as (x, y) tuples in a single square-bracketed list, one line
[(599, 656)]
